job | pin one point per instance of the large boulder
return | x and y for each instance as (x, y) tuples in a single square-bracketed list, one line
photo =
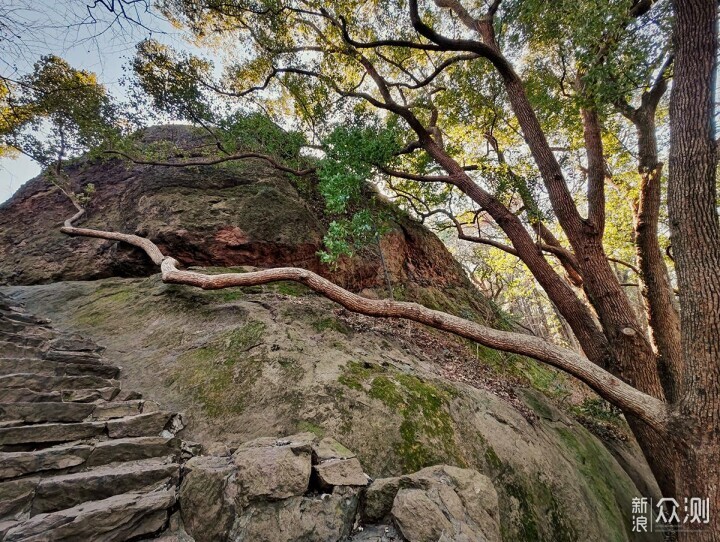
[(239, 214), (437, 503), (247, 363), (264, 492)]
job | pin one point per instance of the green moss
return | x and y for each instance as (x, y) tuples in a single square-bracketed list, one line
[(427, 434), (220, 375), (385, 390), (290, 288), (605, 488), (245, 337), (328, 322), (492, 460), (305, 426)]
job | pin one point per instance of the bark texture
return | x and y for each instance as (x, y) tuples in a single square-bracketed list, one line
[(695, 230)]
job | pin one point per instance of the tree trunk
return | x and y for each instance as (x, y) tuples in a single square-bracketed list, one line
[(695, 236)]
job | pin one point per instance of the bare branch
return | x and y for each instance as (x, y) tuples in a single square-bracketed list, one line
[(232, 157), (649, 409)]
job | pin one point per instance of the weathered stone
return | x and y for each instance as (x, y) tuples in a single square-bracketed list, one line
[(16, 497), (13, 350), (118, 409), (207, 497), (128, 395), (340, 472), (459, 504), (72, 357), (329, 517), (74, 343), (45, 412), (272, 472), (24, 395), (21, 339), (14, 464), (378, 499), (90, 395), (57, 368), (50, 432), (418, 517), (68, 490), (329, 448), (132, 449), (142, 425), (38, 382), (116, 519)]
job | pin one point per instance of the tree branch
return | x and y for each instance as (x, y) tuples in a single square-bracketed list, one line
[(232, 157), (649, 409)]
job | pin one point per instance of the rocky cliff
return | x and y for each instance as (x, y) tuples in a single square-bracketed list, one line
[(252, 363)]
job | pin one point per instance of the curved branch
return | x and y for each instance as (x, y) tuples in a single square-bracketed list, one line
[(239, 156), (647, 408)]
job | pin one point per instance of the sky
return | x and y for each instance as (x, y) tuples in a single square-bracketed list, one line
[(102, 46)]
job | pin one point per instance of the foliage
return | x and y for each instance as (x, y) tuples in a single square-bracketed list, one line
[(56, 112), (352, 154)]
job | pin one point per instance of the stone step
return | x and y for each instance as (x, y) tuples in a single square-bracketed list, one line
[(90, 395), (22, 338), (56, 368), (115, 519), (13, 350), (73, 343), (17, 464), (86, 454), (120, 409), (67, 356), (151, 424), (44, 412), (68, 490), (40, 382), (24, 395), (133, 449), (14, 315), (16, 498), (44, 433)]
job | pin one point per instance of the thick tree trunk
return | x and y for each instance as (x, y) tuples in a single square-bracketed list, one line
[(695, 235), (663, 317)]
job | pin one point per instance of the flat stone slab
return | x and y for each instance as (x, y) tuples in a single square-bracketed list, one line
[(13, 350), (39, 382), (15, 464), (133, 449), (25, 395), (117, 409), (341, 472), (72, 357), (16, 497), (142, 425), (68, 490), (46, 412), (115, 519), (56, 368), (50, 432), (90, 395)]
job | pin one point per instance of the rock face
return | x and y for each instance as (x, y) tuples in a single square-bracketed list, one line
[(66, 472), (437, 503), (244, 214), (246, 364), (265, 492)]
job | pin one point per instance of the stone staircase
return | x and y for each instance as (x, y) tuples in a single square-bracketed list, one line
[(80, 458)]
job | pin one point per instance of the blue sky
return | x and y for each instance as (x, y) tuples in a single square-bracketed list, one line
[(102, 47)]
